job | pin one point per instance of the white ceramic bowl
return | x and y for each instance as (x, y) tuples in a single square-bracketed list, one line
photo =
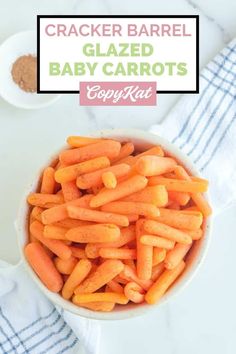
[(22, 43), (142, 140)]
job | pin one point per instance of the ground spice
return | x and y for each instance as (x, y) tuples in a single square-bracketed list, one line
[(24, 73)]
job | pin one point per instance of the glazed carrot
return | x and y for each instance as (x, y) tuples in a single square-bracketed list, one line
[(180, 197), (129, 275), (41, 200), (96, 216), (155, 150), (157, 228), (121, 280), (115, 287), (97, 306), (123, 189), (109, 180), (94, 233), (179, 185), (162, 284), (48, 181), (125, 150), (181, 219), (127, 235), (159, 255), (198, 198), (36, 213), (132, 217), (173, 205), (70, 173), (107, 297), (65, 266), (156, 195), (59, 212), (43, 266), (109, 148), (130, 263), (55, 232), (129, 160), (56, 246), (117, 253), (94, 179), (70, 191), (157, 270), (156, 241), (134, 292), (154, 165), (144, 254), (78, 252), (175, 256), (78, 274), (101, 276), (79, 141), (70, 223), (144, 209)]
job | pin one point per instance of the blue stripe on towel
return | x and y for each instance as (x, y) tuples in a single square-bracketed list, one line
[(7, 341), (217, 86), (67, 336)]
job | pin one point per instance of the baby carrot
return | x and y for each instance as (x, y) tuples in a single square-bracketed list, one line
[(155, 150), (132, 217), (70, 223), (198, 198), (154, 165), (109, 148), (101, 276), (175, 256), (134, 292), (48, 181), (97, 306), (94, 179), (59, 212), (36, 213), (78, 252), (78, 274), (144, 254), (123, 189), (157, 228), (157, 270), (144, 209), (55, 232), (107, 297), (117, 253), (70, 191), (70, 173), (94, 233), (56, 246), (159, 254), (96, 216), (181, 219), (115, 287), (130, 263), (43, 266), (180, 197), (156, 241), (129, 274), (195, 234), (79, 141), (65, 266), (41, 200), (166, 279), (156, 195), (125, 150), (109, 180), (179, 185)]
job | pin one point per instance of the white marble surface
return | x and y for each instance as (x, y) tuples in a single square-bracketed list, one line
[(202, 319)]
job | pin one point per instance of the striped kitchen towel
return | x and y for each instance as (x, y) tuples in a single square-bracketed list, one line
[(204, 127), (30, 324)]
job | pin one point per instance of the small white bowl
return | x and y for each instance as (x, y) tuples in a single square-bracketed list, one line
[(142, 140), (22, 43)]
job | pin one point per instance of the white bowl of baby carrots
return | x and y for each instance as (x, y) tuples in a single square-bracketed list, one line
[(108, 233)]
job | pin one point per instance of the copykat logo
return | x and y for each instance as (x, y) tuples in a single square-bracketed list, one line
[(118, 60)]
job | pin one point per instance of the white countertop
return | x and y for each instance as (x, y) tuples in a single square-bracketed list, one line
[(203, 318)]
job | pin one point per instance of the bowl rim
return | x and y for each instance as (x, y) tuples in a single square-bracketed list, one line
[(20, 226), (52, 99)]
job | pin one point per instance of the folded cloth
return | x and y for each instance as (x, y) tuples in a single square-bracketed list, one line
[(30, 323), (203, 126)]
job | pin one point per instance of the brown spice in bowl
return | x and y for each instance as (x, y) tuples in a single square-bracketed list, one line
[(24, 73)]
